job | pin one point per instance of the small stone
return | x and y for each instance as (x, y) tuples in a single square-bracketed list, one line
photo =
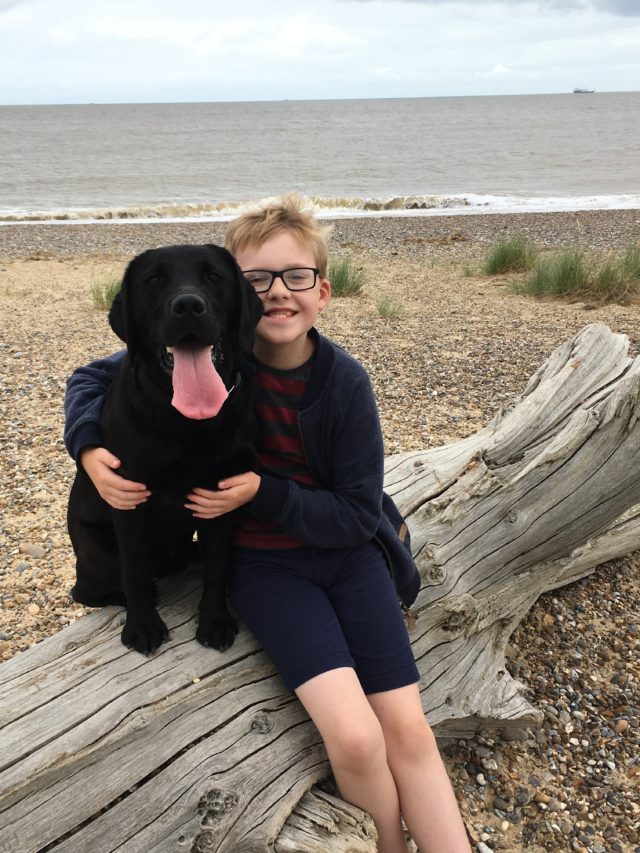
[(480, 779), (33, 609), (35, 551), (621, 726), (481, 847)]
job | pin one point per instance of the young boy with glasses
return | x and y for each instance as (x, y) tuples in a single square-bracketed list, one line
[(309, 576)]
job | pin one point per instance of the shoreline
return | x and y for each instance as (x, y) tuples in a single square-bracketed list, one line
[(589, 229)]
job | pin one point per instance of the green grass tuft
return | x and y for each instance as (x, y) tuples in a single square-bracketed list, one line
[(104, 288), (389, 308), (517, 254), (559, 275), (630, 264), (346, 279), (568, 274)]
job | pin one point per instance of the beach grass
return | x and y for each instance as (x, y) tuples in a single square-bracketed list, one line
[(346, 278), (563, 274), (515, 254), (104, 288), (389, 308), (570, 274)]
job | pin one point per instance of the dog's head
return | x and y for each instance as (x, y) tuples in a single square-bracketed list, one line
[(188, 312)]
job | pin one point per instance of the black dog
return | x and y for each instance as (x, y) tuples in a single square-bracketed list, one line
[(178, 414)]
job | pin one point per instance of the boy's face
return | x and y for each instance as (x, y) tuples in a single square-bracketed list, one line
[(288, 315)]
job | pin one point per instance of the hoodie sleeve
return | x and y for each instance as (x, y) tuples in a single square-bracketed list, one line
[(347, 511), (86, 388)]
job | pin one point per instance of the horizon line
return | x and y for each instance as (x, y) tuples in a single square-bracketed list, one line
[(306, 100)]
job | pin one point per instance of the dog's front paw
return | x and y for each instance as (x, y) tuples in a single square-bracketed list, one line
[(218, 633), (144, 634)]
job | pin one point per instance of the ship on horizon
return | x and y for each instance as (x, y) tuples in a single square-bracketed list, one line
[(579, 91)]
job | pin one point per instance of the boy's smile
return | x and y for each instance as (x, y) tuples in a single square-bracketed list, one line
[(282, 335)]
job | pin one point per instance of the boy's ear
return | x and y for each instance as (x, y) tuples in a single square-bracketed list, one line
[(324, 288)]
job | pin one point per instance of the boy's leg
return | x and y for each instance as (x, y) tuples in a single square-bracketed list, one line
[(367, 607), (356, 747), (427, 801)]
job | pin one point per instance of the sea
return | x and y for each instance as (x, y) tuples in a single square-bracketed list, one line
[(375, 157)]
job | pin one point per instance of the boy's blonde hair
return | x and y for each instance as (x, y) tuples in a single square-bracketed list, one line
[(290, 213)]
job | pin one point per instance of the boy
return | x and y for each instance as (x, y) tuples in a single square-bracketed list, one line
[(308, 578)]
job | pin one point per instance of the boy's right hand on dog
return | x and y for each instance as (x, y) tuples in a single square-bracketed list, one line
[(119, 493)]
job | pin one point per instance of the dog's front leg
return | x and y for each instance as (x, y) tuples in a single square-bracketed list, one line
[(144, 630), (216, 628)]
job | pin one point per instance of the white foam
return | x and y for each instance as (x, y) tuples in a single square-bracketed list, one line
[(332, 208)]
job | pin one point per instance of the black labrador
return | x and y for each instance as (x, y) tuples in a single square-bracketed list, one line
[(178, 414)]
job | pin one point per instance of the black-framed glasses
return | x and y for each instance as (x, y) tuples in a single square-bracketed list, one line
[(295, 278)]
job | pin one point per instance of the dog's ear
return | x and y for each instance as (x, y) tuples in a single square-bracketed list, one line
[(121, 311), (249, 308), (117, 315)]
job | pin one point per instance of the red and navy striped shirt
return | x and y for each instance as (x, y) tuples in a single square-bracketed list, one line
[(278, 394)]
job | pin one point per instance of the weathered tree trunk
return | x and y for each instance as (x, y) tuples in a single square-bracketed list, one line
[(102, 749)]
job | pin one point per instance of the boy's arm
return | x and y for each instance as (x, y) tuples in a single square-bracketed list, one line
[(86, 388), (83, 401)]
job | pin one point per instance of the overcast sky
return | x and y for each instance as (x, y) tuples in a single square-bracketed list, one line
[(79, 51)]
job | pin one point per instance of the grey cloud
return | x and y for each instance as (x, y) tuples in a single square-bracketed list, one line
[(616, 7), (621, 7), (629, 8)]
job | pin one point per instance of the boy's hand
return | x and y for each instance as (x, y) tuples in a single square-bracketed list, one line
[(112, 488), (233, 493)]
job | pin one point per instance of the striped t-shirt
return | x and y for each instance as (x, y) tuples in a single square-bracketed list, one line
[(278, 394)]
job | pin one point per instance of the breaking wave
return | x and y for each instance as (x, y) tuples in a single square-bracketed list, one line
[(327, 207)]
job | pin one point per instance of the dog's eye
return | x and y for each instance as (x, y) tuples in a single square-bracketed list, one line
[(154, 279), (211, 276)]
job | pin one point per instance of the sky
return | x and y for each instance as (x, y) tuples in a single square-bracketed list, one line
[(129, 51)]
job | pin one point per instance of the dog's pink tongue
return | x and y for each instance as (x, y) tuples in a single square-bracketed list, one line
[(198, 391)]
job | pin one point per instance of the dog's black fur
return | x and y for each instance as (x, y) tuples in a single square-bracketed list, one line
[(168, 295)]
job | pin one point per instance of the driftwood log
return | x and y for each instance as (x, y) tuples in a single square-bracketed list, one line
[(103, 749)]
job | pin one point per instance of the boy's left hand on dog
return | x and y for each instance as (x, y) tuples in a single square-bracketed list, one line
[(232, 493)]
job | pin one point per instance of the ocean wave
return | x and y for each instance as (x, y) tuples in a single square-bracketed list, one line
[(228, 209), (330, 207)]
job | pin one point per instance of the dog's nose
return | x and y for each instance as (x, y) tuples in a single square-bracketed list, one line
[(188, 303)]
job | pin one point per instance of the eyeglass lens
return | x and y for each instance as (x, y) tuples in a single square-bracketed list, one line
[(302, 278)]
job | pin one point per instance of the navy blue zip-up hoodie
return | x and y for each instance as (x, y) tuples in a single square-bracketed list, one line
[(342, 440)]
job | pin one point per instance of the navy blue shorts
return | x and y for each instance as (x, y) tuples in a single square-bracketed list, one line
[(317, 609)]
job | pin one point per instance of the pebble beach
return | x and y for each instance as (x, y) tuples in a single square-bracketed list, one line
[(457, 347)]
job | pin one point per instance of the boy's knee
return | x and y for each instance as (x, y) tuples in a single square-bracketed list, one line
[(412, 739), (358, 748)]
